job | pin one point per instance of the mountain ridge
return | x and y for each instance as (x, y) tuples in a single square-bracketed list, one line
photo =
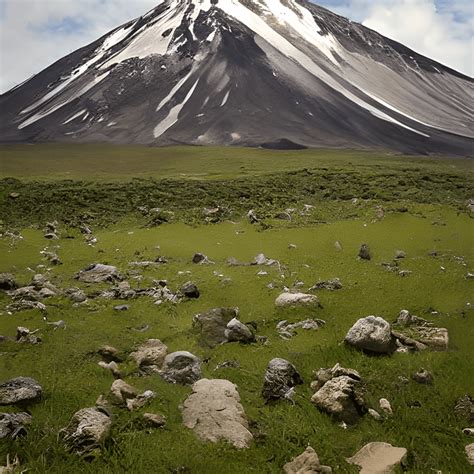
[(192, 72)]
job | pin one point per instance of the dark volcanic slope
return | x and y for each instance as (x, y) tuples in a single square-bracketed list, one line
[(246, 72)]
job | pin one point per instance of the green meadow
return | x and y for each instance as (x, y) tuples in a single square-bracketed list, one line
[(142, 203)]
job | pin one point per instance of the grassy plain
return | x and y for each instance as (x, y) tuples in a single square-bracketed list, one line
[(424, 202)]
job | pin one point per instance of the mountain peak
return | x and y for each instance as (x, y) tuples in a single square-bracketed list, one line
[(245, 72)]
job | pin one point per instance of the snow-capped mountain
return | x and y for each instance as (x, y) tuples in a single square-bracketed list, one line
[(245, 72)]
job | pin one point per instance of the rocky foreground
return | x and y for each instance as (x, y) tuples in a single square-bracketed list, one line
[(213, 406)]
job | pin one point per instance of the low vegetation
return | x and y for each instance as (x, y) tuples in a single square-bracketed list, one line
[(304, 202)]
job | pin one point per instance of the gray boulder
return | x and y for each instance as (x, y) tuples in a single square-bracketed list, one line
[(214, 412), (99, 273), (339, 392), (378, 458), (181, 367), (280, 379), (87, 431), (372, 334), (213, 324), (286, 299), (464, 408), (306, 463), (20, 390), (364, 252), (190, 290), (236, 331), (13, 425), (150, 354), (7, 282)]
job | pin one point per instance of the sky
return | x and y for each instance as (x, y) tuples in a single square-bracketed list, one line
[(35, 33)]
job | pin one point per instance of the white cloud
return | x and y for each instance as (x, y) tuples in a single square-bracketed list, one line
[(443, 34), (35, 33)]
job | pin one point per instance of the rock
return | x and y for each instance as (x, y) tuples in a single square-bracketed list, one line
[(57, 324), (20, 390), (288, 330), (228, 364), (76, 295), (113, 367), (400, 254), (7, 282), (150, 355), (374, 414), (213, 324), (437, 339), (372, 334), (154, 420), (99, 273), (386, 407), (87, 431), (122, 307), (407, 319), (51, 236), (25, 336), (260, 259), (364, 252), (423, 376), (283, 216), (468, 431), (338, 246), (470, 453), (238, 332), (190, 290), (181, 367), (280, 379), (306, 463), (464, 408), (201, 259), (14, 195), (214, 412), (331, 285), (252, 217), (339, 392), (121, 391), (295, 299), (12, 425), (378, 458), (109, 354), (140, 400)]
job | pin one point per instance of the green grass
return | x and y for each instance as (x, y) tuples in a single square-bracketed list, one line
[(66, 364)]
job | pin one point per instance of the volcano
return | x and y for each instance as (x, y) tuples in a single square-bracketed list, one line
[(272, 73)]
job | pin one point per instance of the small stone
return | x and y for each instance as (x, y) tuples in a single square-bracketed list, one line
[(99, 273), (12, 425), (51, 236), (181, 367), (121, 391), (112, 366), (87, 431), (7, 282), (470, 453), (236, 331), (378, 457), (399, 254), (306, 463), (213, 324), (468, 431), (14, 195), (252, 217), (374, 414), (364, 252), (109, 354), (423, 376), (295, 299), (464, 408), (151, 354), (190, 290), (154, 420), (200, 259), (140, 400), (386, 407), (372, 334), (122, 307), (280, 377)]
